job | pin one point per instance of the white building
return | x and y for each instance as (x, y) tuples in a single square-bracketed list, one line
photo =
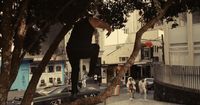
[(182, 44), (55, 71), (119, 53)]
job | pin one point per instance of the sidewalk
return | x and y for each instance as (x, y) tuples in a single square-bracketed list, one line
[(123, 99)]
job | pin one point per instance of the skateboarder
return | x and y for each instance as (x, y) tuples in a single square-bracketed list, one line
[(79, 46)]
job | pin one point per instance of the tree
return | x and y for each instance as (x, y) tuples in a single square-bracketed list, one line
[(24, 21)]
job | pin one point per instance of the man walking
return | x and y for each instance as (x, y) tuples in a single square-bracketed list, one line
[(142, 87)]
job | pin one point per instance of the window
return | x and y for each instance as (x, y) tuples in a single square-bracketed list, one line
[(42, 83), (126, 30), (155, 48), (196, 17), (50, 80), (58, 80), (50, 69), (58, 68), (146, 53), (123, 59)]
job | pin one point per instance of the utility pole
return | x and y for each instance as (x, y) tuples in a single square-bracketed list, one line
[(163, 50)]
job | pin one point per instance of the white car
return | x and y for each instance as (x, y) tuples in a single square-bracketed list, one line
[(150, 83)]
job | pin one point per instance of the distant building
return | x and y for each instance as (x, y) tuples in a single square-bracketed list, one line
[(182, 44), (178, 79), (54, 74), (118, 54), (56, 70)]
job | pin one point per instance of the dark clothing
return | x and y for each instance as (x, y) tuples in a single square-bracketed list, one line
[(81, 35), (79, 46)]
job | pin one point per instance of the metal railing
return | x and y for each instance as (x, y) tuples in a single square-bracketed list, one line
[(182, 76)]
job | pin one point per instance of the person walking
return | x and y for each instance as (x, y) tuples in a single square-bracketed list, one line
[(131, 87), (79, 46), (142, 87)]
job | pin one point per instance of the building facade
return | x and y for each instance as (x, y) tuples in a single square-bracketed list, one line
[(151, 50), (182, 44), (178, 79), (54, 74), (22, 79)]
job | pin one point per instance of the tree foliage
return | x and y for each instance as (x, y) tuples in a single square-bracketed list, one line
[(115, 12)]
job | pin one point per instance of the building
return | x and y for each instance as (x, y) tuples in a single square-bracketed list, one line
[(54, 74), (178, 79), (118, 54), (22, 79), (182, 44)]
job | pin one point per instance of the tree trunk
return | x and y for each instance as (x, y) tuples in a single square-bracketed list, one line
[(7, 34), (123, 69), (20, 26), (3, 90)]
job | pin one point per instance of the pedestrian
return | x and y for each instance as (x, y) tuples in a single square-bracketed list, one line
[(131, 87), (79, 46), (142, 87)]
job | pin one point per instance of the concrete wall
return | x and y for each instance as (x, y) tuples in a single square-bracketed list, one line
[(175, 94)]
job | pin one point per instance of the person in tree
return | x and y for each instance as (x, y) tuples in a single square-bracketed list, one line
[(80, 46), (131, 87)]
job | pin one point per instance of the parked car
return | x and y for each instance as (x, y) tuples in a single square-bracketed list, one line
[(150, 83), (17, 100), (56, 95), (63, 94)]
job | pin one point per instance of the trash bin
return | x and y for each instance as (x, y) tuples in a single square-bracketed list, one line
[(117, 90)]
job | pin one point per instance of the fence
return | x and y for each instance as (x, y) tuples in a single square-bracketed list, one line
[(182, 76)]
